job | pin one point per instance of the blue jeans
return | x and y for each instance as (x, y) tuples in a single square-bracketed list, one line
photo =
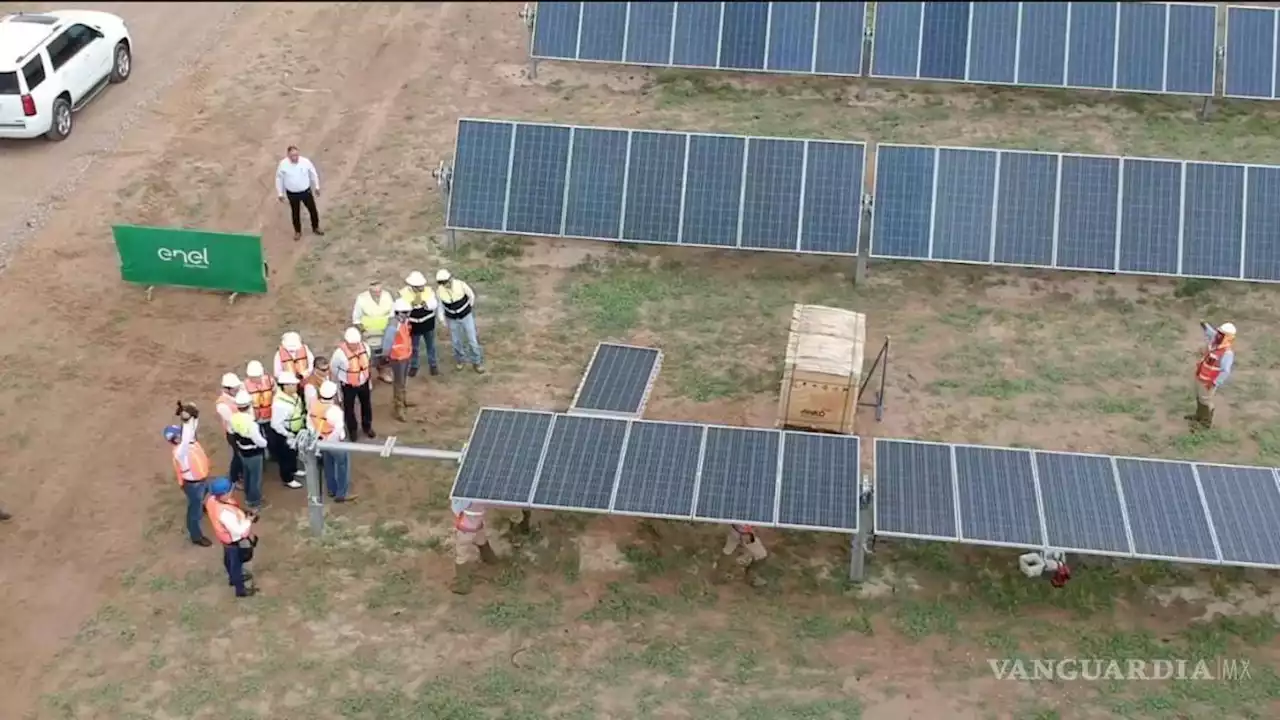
[(253, 480), (337, 473), (428, 339), (466, 346), (235, 568), (195, 492), (236, 472)]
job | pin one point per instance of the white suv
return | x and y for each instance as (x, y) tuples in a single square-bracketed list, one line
[(52, 64)]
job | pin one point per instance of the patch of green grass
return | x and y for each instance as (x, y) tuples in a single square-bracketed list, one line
[(919, 618), (511, 613), (621, 603), (835, 709), (396, 588)]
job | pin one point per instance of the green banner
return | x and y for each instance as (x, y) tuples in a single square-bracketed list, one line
[(231, 262)]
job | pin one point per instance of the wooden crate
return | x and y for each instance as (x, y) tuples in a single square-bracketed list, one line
[(822, 370)]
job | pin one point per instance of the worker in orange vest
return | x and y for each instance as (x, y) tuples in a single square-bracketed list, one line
[(326, 419), (1213, 370), (397, 343), (469, 542), (234, 529), (352, 363), (225, 406), (293, 356), (745, 537), (262, 390), (191, 466)]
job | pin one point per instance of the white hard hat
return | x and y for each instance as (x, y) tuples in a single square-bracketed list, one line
[(443, 275), (253, 369), (416, 279), (1227, 328), (230, 380), (291, 341), (328, 389), (401, 305), (285, 377), (352, 335), (242, 398)]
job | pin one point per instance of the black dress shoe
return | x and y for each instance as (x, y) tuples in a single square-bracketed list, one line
[(435, 370), (248, 592), (247, 577), (413, 372), (202, 542), (369, 433), (317, 231)]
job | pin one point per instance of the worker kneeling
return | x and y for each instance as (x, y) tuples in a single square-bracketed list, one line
[(469, 541), (744, 536), (234, 529)]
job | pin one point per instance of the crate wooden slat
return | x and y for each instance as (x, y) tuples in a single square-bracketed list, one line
[(822, 369)]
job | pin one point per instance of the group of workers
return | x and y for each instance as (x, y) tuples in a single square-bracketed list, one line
[(263, 414)]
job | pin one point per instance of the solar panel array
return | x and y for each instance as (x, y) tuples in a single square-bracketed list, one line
[(671, 470), (821, 38), (650, 186), (1088, 504), (1250, 65), (617, 381), (1077, 212), (1131, 46)]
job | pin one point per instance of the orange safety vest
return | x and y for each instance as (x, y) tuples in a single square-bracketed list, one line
[(1210, 367), (322, 426), (296, 364), (357, 365), (197, 464), (213, 507), (230, 403), (263, 391), (315, 380), (402, 346)]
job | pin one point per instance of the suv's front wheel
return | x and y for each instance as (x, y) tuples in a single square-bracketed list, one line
[(122, 63), (60, 128)]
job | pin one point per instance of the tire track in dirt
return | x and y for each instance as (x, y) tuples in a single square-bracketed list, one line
[(117, 363)]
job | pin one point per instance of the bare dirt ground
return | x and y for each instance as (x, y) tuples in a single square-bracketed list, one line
[(112, 615)]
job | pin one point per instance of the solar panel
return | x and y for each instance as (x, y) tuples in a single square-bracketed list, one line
[(811, 38), (1082, 507), (502, 456), (1249, 69), (657, 187), (739, 476), (1167, 516), (915, 493), (659, 470), (1244, 503), (617, 380), (820, 482), (580, 464), (998, 497), (1133, 47), (1076, 212)]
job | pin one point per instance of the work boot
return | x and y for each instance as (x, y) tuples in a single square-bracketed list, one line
[(202, 542), (459, 367), (1207, 423), (248, 592), (384, 374), (480, 368), (369, 433), (754, 579), (413, 372), (487, 555), (297, 236), (461, 583), (435, 370), (5, 516)]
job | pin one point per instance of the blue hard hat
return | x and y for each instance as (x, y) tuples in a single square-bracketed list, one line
[(220, 486), (172, 433)]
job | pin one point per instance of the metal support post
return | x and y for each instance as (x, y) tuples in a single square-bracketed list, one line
[(528, 14), (444, 181), (866, 211), (858, 548), (306, 447), (881, 363)]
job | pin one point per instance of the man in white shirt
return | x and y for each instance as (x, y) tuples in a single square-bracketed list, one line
[(325, 418), (297, 179)]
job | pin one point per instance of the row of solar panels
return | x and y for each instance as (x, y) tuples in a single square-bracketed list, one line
[(1090, 504), (678, 471), (1004, 207), (1006, 497), (1140, 47)]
